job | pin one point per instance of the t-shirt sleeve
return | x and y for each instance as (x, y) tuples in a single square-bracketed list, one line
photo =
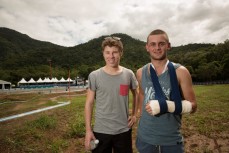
[(134, 82), (92, 81)]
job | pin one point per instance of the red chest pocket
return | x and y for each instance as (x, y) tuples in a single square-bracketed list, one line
[(124, 90)]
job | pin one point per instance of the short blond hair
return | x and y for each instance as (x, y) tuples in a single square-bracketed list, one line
[(158, 32)]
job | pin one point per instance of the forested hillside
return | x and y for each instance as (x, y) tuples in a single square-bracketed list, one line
[(22, 56)]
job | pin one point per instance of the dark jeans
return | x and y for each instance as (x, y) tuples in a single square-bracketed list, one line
[(148, 148), (119, 143)]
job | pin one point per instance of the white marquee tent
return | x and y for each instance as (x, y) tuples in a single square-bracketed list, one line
[(46, 81), (5, 85), (31, 81), (40, 80)]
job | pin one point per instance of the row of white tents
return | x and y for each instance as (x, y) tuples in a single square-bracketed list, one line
[(45, 81)]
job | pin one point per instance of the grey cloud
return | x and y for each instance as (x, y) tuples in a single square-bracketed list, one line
[(71, 22)]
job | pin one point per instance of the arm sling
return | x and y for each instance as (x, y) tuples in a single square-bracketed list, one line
[(175, 91)]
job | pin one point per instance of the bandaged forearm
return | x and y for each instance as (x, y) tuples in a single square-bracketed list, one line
[(155, 107), (186, 106)]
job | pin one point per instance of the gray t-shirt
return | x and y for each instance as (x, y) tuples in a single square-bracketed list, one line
[(112, 100)]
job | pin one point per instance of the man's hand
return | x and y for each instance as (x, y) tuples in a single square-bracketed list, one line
[(88, 137), (153, 107), (131, 121)]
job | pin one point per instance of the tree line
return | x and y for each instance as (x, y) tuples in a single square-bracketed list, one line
[(24, 57)]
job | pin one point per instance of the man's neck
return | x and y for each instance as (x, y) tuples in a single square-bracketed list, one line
[(159, 65), (112, 70)]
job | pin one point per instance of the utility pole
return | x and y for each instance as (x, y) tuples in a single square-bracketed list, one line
[(50, 64), (69, 84)]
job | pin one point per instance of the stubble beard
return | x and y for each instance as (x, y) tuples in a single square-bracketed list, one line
[(163, 57)]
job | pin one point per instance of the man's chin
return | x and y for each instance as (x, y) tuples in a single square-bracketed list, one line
[(113, 65)]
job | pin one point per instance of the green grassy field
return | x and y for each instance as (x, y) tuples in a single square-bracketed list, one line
[(207, 130), (63, 129)]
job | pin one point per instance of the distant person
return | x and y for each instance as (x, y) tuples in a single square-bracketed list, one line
[(108, 88), (165, 93)]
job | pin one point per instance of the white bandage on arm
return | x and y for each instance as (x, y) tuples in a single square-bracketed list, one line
[(171, 106), (155, 107), (186, 106)]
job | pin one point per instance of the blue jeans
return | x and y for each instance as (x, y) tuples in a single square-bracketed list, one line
[(148, 148)]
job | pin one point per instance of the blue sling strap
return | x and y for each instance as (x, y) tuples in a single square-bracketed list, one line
[(175, 92), (159, 94)]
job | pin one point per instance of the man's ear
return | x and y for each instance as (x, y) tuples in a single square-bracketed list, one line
[(147, 48), (169, 45)]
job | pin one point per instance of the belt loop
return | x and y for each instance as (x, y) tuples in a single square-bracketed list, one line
[(159, 149), (178, 143)]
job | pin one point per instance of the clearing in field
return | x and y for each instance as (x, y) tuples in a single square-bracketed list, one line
[(62, 129)]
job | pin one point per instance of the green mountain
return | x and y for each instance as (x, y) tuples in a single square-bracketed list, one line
[(22, 56)]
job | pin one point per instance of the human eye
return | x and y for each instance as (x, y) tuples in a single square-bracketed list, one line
[(152, 44), (116, 52), (106, 52), (162, 44)]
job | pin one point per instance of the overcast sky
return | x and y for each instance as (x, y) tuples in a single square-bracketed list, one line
[(71, 22)]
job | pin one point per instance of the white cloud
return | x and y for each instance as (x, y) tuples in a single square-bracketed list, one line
[(72, 22)]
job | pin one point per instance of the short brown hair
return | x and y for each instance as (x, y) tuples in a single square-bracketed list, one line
[(158, 32), (112, 41)]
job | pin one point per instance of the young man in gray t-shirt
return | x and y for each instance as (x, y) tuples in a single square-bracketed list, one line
[(109, 89)]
